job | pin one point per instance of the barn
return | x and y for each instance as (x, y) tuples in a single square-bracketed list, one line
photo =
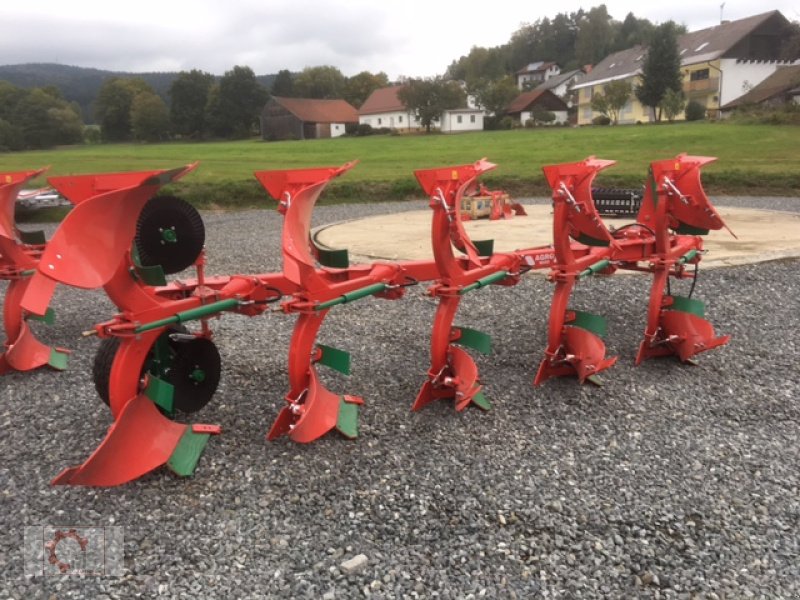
[(305, 118)]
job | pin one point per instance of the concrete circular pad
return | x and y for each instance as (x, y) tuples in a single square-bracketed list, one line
[(763, 235)]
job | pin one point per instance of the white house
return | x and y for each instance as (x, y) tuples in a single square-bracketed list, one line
[(536, 73), (462, 119), (384, 109)]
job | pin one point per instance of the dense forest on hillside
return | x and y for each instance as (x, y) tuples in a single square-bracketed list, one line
[(81, 85)]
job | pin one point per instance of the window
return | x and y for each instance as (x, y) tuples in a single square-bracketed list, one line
[(380, 120), (336, 128), (400, 119), (699, 75), (472, 118), (458, 119), (701, 46)]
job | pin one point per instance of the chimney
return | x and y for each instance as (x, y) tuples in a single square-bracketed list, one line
[(587, 69)]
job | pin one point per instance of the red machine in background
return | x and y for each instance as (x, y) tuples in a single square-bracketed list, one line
[(125, 238)]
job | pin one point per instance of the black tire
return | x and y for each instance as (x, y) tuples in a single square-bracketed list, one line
[(169, 214), (101, 368)]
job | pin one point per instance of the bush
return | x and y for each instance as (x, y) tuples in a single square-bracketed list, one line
[(601, 120), (695, 111)]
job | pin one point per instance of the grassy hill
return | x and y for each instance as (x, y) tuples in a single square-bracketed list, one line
[(753, 159)]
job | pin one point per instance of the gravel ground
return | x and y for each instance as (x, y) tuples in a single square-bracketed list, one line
[(668, 482)]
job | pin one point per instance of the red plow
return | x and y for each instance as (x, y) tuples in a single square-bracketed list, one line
[(125, 238)]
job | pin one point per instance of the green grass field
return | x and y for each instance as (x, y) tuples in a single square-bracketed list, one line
[(753, 159)]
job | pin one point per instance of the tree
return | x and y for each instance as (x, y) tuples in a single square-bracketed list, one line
[(188, 97), (595, 34), (358, 87), (613, 99), (662, 68), (283, 86), (429, 98), (672, 104), (45, 120), (233, 106), (495, 96), (319, 82), (149, 117), (112, 107)]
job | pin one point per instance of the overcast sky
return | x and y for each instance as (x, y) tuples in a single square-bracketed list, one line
[(409, 37)]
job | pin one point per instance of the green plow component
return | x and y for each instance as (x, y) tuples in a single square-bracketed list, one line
[(369, 290), (58, 360), (152, 275), (337, 259), (688, 305), (161, 392), (33, 238), (687, 257), (481, 401), (347, 423), (472, 338), (190, 315), (483, 282), (336, 359), (186, 454), (595, 268), (49, 317), (484, 247), (590, 322)]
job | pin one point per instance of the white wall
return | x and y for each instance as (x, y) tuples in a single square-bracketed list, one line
[(337, 129), (739, 76), (561, 116), (393, 120), (470, 121)]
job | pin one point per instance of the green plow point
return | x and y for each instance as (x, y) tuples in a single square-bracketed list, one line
[(347, 424), (336, 359), (595, 380), (590, 322), (58, 360), (481, 401), (186, 454), (48, 318), (161, 392), (477, 340), (688, 305)]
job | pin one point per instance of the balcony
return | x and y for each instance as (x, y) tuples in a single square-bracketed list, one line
[(702, 85)]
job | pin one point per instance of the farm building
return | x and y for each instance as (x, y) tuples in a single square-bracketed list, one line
[(780, 88), (305, 118), (523, 106)]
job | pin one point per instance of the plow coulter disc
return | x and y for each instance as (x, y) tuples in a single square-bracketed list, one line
[(169, 233)]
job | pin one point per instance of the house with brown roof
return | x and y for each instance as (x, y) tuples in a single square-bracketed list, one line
[(719, 64), (383, 108), (305, 118), (536, 73), (780, 88), (526, 104)]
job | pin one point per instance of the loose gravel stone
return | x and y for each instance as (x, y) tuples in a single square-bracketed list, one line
[(689, 473), (354, 564)]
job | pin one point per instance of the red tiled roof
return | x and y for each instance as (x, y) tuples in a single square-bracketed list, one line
[(311, 110), (545, 98), (383, 100)]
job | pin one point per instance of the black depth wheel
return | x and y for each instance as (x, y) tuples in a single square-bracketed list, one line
[(170, 233)]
